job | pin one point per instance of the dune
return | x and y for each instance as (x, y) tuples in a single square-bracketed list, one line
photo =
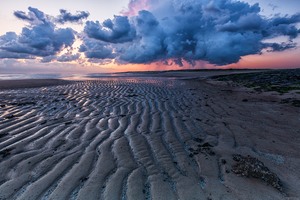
[(144, 138)]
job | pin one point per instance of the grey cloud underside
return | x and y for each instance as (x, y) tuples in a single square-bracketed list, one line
[(220, 32), (96, 49), (63, 58), (118, 30), (40, 39), (23, 16), (66, 16)]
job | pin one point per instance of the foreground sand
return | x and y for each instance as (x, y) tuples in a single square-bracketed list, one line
[(144, 138)]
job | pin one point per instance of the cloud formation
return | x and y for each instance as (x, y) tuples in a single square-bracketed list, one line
[(66, 16), (23, 16), (41, 38), (96, 49), (217, 31), (117, 30)]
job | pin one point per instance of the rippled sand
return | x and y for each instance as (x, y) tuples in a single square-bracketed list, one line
[(141, 138)]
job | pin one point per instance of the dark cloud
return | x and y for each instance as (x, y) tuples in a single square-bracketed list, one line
[(148, 45), (280, 46), (118, 30), (172, 31), (68, 57), (22, 15), (66, 16), (249, 22), (286, 20), (96, 49), (220, 32), (5, 54), (34, 16), (41, 38), (39, 15), (289, 30)]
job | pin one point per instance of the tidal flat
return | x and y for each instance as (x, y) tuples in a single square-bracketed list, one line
[(174, 135)]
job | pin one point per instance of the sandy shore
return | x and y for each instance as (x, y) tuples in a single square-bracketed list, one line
[(145, 138), (30, 83)]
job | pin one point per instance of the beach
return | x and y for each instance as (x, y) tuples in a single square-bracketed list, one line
[(151, 137), (30, 83)]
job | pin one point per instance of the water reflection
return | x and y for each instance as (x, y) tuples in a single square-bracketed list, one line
[(114, 78), (30, 76)]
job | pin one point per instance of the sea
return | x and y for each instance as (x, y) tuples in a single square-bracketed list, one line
[(56, 76), (90, 76)]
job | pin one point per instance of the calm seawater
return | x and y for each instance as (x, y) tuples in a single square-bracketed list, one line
[(54, 76)]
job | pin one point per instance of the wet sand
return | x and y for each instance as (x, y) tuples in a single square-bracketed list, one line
[(30, 83), (144, 138)]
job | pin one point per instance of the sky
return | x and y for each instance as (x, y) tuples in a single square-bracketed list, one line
[(99, 36)]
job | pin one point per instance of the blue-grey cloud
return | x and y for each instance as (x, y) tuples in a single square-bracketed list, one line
[(171, 31), (149, 42), (117, 30), (96, 49), (220, 32), (23, 16), (67, 57), (34, 16), (280, 46), (66, 16), (286, 20), (41, 38)]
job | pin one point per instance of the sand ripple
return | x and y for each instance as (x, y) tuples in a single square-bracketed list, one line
[(107, 139)]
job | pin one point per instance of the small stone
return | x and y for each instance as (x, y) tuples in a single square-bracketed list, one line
[(9, 116), (223, 161), (206, 145), (199, 140)]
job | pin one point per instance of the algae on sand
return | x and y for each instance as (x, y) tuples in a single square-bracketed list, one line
[(251, 167)]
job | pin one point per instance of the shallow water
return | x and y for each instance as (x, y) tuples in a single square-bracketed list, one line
[(54, 76), (30, 76)]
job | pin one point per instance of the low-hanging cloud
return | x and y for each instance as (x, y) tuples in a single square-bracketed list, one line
[(67, 57), (219, 31)]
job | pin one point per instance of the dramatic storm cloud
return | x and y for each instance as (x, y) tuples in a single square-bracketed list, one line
[(41, 38), (219, 31), (66, 16), (96, 49), (118, 30)]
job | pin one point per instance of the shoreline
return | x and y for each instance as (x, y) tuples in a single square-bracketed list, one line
[(186, 74), (30, 83)]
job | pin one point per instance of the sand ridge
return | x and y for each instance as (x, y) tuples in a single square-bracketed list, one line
[(139, 138)]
